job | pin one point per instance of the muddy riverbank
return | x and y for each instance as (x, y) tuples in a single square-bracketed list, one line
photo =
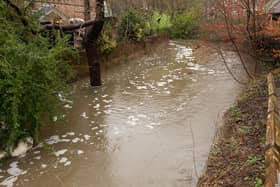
[(237, 155), (152, 123)]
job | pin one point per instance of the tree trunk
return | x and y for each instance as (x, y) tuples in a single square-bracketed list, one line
[(92, 34)]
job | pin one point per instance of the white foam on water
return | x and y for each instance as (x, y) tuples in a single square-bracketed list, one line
[(68, 163), (161, 84), (94, 128), (79, 152), (55, 118), (76, 140), (149, 126), (70, 133), (14, 172), (108, 111), (107, 101), (36, 152), (87, 137), (63, 160), (67, 106), (141, 87), (22, 147), (37, 158), (55, 139), (43, 166), (84, 115), (60, 152)]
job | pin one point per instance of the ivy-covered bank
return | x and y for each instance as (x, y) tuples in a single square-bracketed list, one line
[(34, 70)]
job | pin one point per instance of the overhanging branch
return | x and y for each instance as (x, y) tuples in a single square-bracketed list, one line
[(68, 27)]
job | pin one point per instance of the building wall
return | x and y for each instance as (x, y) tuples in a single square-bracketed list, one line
[(70, 8)]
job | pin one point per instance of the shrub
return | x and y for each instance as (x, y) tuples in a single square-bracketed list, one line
[(185, 25), (33, 71), (106, 41), (160, 23), (132, 26)]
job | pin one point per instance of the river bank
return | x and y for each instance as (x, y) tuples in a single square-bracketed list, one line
[(237, 154)]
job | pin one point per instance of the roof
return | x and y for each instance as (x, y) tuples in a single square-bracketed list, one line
[(50, 12), (273, 6)]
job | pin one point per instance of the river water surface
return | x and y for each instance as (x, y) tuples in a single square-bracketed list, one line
[(151, 124)]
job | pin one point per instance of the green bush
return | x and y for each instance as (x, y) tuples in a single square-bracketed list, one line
[(160, 23), (33, 71), (132, 27), (106, 41), (185, 25)]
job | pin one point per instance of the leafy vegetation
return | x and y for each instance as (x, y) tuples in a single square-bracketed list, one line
[(33, 70), (185, 25), (132, 26), (135, 26), (106, 41), (160, 22)]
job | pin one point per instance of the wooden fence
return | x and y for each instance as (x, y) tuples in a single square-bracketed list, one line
[(272, 156)]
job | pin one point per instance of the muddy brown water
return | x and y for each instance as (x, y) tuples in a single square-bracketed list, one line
[(151, 124)]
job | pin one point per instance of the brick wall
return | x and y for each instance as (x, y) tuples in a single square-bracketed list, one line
[(70, 8)]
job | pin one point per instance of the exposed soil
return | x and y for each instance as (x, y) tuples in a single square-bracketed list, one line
[(237, 156)]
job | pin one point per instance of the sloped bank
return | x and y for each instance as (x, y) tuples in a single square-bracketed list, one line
[(237, 155)]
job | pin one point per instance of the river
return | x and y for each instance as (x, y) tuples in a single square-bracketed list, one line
[(151, 124)]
